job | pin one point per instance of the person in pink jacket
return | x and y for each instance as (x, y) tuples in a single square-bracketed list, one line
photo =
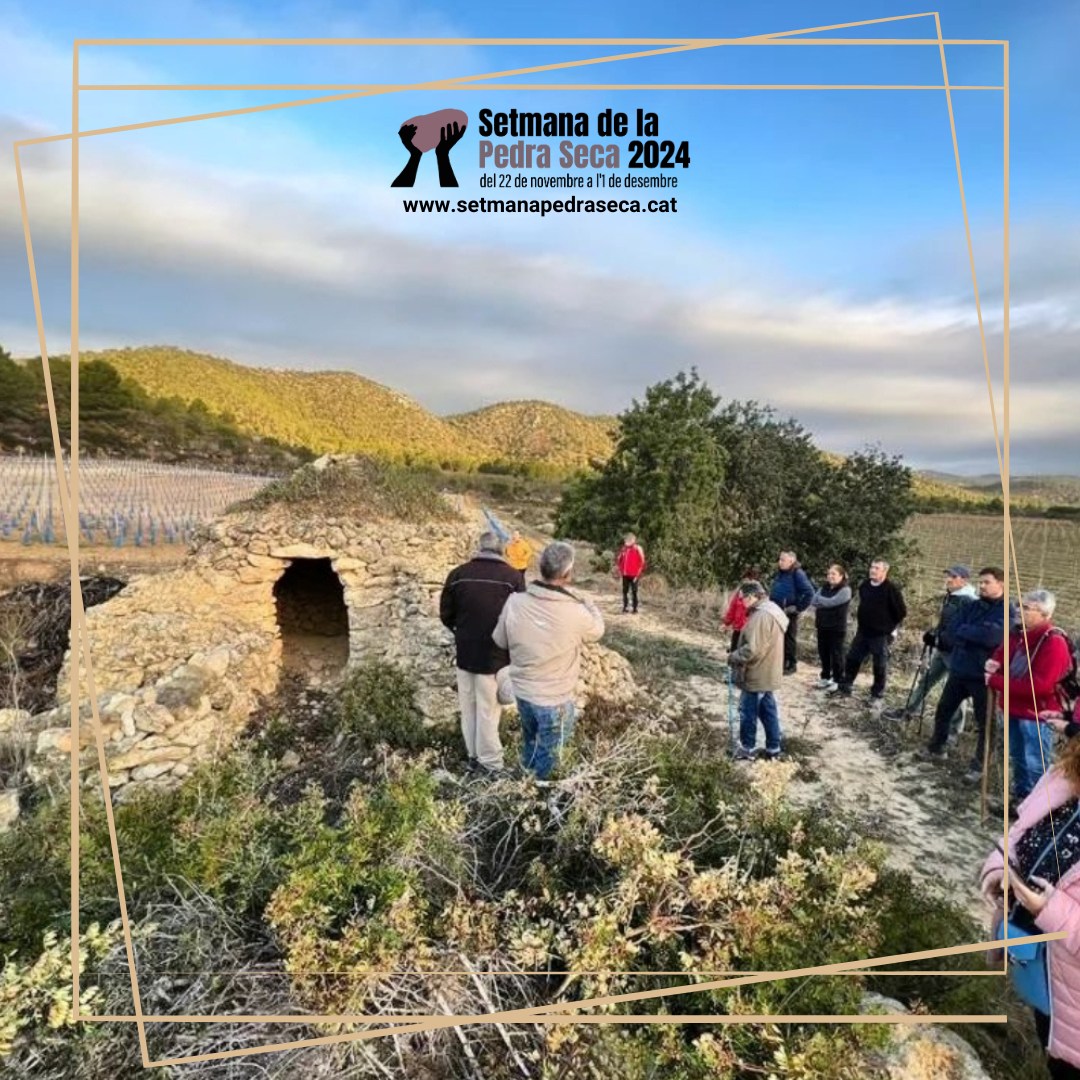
[(1049, 901)]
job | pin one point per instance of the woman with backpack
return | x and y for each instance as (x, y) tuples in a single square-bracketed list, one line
[(1044, 897)]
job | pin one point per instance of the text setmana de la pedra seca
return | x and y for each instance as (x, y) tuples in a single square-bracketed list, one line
[(643, 152)]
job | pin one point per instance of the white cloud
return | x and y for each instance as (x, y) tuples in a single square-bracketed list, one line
[(458, 326)]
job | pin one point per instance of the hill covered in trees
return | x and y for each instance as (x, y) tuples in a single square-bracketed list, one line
[(1046, 492), (118, 417), (325, 411), (538, 433), (172, 404)]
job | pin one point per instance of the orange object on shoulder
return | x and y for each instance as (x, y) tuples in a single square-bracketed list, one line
[(519, 554)]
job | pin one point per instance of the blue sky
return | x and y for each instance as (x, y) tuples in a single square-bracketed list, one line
[(817, 262)]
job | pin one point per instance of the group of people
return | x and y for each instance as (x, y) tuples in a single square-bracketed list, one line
[(978, 651), (966, 648), (521, 642), (524, 641), (764, 638), (517, 642)]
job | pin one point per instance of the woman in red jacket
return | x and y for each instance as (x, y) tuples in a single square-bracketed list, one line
[(736, 615), (1038, 660), (630, 563)]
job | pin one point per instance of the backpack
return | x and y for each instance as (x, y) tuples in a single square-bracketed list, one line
[(1068, 687)]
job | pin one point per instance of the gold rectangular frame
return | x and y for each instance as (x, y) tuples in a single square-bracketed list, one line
[(69, 497)]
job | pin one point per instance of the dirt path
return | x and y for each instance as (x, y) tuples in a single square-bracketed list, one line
[(929, 821)]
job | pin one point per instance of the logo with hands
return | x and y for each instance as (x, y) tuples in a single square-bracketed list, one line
[(439, 131)]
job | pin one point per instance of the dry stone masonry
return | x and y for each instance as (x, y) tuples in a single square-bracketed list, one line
[(181, 659)]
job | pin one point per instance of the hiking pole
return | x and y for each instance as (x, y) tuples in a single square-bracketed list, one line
[(731, 707), (922, 707), (988, 735), (921, 667)]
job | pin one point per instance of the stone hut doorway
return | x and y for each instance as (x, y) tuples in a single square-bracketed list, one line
[(312, 619)]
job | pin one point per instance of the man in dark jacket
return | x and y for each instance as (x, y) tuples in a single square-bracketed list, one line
[(975, 633), (470, 605), (791, 592), (881, 611), (958, 594)]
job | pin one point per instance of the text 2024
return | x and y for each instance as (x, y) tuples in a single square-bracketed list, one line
[(651, 154)]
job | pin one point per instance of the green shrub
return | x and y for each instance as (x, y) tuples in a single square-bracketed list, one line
[(378, 703), (909, 919), (373, 485), (230, 836), (353, 898), (654, 853), (35, 865)]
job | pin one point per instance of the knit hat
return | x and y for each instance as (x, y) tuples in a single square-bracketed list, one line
[(959, 570)]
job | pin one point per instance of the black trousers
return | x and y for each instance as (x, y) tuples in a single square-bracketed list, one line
[(629, 589), (957, 690), (1059, 1070), (830, 647), (790, 634), (875, 646), (735, 635)]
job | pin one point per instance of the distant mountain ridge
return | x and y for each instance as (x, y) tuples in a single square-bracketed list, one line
[(1051, 489), (340, 411)]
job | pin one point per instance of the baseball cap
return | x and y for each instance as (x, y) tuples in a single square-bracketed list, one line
[(959, 570)]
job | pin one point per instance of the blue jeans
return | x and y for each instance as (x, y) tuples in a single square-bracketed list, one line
[(1031, 753), (545, 730), (755, 705)]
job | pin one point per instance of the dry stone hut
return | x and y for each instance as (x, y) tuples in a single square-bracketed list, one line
[(340, 564)]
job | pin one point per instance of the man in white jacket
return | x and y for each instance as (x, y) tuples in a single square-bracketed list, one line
[(543, 629)]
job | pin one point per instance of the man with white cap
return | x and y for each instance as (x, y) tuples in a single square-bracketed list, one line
[(759, 663), (959, 592)]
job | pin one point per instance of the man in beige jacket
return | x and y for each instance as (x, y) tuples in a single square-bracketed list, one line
[(543, 629), (759, 663)]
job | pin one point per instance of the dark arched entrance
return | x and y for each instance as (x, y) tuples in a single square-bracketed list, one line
[(312, 619)]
